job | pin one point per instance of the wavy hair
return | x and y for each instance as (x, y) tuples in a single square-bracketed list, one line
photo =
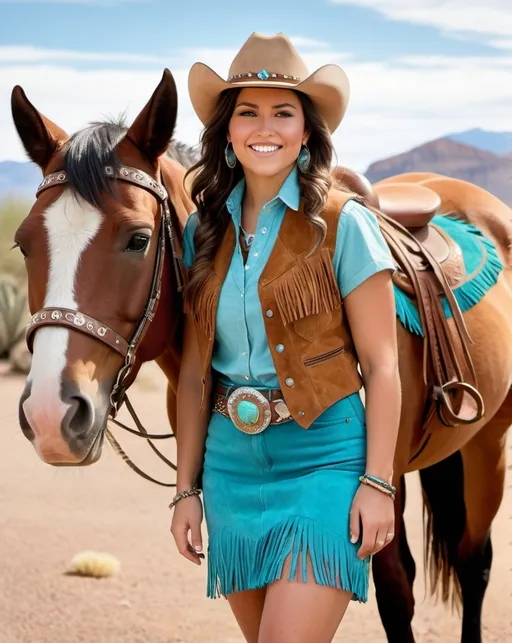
[(213, 181)]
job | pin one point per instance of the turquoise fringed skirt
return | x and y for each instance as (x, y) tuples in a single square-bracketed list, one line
[(286, 492)]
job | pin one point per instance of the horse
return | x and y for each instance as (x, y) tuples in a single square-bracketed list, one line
[(111, 210), (461, 468)]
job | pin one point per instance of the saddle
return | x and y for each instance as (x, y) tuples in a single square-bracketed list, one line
[(429, 266)]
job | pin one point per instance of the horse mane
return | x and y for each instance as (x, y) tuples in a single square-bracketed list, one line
[(186, 155), (89, 150), (87, 153)]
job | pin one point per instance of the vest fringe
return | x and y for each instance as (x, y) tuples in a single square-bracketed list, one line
[(204, 306), (309, 288)]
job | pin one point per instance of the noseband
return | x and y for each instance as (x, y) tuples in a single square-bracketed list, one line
[(80, 322)]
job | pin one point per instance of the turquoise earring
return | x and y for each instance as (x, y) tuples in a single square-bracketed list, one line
[(304, 159), (230, 156)]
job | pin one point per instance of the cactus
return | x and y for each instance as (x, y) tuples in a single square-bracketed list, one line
[(13, 313)]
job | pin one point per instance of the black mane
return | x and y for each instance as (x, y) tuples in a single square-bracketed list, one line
[(87, 153)]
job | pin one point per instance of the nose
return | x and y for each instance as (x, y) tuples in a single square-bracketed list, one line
[(61, 427)]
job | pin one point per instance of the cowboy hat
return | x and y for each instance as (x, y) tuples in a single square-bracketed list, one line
[(271, 61)]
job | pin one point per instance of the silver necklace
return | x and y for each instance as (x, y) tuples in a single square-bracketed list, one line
[(249, 238)]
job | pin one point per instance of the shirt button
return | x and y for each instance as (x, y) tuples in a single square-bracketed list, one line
[(247, 377), (244, 353), (255, 254), (264, 230), (289, 381), (269, 313), (279, 348), (241, 294)]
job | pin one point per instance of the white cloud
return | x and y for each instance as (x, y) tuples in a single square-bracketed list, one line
[(394, 105), (27, 54), (487, 20)]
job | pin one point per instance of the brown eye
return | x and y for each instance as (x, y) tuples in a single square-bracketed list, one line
[(138, 243)]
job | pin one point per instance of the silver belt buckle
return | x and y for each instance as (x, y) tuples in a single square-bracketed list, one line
[(249, 410)]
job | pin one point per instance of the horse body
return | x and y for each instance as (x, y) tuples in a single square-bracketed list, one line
[(77, 237)]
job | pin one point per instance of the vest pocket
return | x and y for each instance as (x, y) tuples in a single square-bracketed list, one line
[(324, 356), (310, 327)]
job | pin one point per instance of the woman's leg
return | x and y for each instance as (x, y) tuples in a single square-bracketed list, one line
[(301, 612), (247, 608)]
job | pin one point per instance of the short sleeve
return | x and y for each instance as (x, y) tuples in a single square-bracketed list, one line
[(360, 248), (188, 239)]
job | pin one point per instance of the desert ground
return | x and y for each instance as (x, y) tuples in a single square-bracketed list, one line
[(48, 515)]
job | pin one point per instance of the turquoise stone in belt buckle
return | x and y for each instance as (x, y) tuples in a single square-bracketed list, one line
[(249, 410)]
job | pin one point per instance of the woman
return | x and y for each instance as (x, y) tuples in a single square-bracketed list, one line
[(289, 280)]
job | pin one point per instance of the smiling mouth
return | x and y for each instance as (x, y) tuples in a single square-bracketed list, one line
[(265, 149)]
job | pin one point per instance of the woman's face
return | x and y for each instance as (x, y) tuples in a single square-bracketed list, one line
[(267, 130)]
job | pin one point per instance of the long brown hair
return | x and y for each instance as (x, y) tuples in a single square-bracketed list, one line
[(213, 181)]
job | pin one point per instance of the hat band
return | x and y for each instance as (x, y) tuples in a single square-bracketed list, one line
[(263, 74)]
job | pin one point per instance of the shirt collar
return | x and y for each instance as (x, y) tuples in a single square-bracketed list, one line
[(289, 193)]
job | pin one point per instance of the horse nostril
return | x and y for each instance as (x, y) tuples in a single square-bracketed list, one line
[(81, 414), (24, 424)]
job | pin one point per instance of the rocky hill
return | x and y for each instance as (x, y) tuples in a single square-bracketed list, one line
[(490, 171)]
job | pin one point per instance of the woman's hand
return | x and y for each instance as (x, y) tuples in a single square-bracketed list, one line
[(374, 512), (188, 516)]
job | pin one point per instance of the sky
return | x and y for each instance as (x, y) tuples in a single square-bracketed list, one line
[(418, 69)]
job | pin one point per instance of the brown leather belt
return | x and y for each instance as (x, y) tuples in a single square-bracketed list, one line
[(251, 410)]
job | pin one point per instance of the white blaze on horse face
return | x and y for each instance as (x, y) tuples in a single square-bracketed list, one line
[(71, 224)]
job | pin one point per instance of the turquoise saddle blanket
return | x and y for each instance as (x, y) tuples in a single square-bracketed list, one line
[(483, 268)]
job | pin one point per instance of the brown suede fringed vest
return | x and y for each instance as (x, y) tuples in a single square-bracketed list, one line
[(303, 313)]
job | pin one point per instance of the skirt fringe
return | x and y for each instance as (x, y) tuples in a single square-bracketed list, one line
[(237, 562)]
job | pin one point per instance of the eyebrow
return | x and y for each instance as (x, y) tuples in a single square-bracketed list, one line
[(280, 106)]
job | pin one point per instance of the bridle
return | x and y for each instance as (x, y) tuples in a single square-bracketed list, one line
[(78, 321)]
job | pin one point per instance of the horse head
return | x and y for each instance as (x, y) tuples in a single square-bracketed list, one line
[(103, 280)]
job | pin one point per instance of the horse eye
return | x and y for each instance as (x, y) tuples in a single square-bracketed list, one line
[(138, 243)]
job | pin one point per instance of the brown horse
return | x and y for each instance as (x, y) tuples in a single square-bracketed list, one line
[(94, 222), (462, 468), (102, 217)]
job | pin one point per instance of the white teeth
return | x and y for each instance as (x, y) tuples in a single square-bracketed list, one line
[(265, 148)]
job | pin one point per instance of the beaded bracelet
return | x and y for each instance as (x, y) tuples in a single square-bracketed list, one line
[(184, 494), (380, 485)]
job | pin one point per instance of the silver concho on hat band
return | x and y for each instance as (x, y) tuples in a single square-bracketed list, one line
[(249, 410)]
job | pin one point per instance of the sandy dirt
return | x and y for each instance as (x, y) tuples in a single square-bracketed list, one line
[(48, 515)]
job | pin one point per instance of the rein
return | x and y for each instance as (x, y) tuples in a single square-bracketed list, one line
[(80, 322)]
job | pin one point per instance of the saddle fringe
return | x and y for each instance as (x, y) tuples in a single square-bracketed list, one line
[(309, 288)]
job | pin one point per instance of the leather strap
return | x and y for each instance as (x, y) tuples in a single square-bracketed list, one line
[(123, 173), (447, 364)]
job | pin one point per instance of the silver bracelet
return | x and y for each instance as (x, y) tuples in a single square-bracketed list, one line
[(184, 494)]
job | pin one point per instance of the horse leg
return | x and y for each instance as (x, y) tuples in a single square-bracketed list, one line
[(460, 510), (394, 571), (484, 458)]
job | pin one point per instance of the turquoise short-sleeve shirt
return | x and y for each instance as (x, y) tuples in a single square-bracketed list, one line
[(241, 355)]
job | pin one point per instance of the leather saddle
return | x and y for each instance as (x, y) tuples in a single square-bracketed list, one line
[(429, 266)]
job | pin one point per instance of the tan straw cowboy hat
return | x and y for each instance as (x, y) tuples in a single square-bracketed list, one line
[(272, 61)]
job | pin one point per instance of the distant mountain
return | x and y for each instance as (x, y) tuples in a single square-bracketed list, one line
[(445, 156), (495, 142), (19, 179)]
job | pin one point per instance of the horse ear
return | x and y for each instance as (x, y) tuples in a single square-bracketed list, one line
[(153, 128), (40, 136)]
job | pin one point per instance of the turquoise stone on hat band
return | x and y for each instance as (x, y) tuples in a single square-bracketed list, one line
[(263, 74), (248, 412)]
